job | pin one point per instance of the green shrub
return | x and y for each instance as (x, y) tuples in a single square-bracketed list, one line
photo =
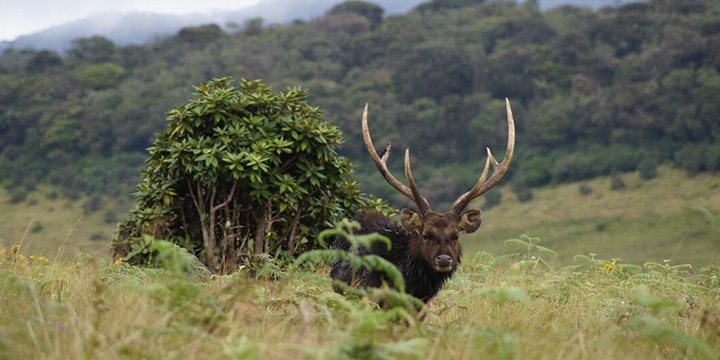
[(93, 204), (240, 172), (17, 195), (648, 169), (101, 76), (688, 159), (698, 157), (38, 227), (585, 189), (523, 192), (110, 216), (581, 165), (616, 182)]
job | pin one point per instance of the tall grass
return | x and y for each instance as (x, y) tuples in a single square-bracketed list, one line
[(496, 307)]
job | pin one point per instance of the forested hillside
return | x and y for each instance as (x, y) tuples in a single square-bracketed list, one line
[(593, 92)]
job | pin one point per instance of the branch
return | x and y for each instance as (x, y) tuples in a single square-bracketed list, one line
[(195, 199), (230, 196), (293, 228)]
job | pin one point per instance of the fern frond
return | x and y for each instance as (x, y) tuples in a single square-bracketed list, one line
[(712, 218), (503, 294), (682, 267), (544, 263), (544, 250), (573, 268), (585, 258), (377, 263), (522, 243), (177, 259), (482, 267), (501, 259), (480, 255), (654, 266), (530, 239)]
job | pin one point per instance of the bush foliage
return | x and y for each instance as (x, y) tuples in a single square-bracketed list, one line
[(240, 171)]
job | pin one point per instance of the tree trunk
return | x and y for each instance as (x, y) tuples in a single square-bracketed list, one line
[(201, 206), (260, 231), (208, 242), (293, 228)]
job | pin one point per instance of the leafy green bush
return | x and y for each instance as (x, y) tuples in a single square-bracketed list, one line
[(587, 165), (585, 189), (372, 12), (648, 169), (523, 192), (17, 196), (200, 35), (616, 182), (101, 76), (239, 172), (698, 157)]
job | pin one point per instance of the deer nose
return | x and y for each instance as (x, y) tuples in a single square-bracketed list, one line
[(443, 260)]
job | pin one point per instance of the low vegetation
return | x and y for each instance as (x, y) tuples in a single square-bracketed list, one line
[(509, 307)]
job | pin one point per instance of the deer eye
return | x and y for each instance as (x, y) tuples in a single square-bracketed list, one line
[(426, 237)]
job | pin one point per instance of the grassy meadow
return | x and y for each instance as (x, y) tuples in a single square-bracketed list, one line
[(650, 289), (56, 226), (87, 308), (648, 220)]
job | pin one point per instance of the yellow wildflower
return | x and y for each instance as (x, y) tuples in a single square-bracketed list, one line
[(613, 267)]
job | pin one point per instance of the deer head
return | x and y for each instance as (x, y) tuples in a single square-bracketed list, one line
[(434, 236)]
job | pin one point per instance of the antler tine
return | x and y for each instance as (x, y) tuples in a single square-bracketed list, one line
[(499, 169), (382, 163), (420, 201)]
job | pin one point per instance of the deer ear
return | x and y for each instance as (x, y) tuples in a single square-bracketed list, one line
[(411, 220), (470, 221)]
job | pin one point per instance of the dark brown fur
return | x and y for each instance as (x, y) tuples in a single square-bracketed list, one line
[(425, 249)]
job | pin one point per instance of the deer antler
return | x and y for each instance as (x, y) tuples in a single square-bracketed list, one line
[(412, 193), (422, 204), (499, 169)]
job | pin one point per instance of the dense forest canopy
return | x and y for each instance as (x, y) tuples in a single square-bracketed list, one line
[(593, 92)]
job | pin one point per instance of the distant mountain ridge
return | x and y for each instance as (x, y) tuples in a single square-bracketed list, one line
[(139, 27)]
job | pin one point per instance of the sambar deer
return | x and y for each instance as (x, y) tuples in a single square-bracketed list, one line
[(424, 246)]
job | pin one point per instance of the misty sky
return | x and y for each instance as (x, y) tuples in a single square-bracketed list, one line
[(23, 17), (28, 16)]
